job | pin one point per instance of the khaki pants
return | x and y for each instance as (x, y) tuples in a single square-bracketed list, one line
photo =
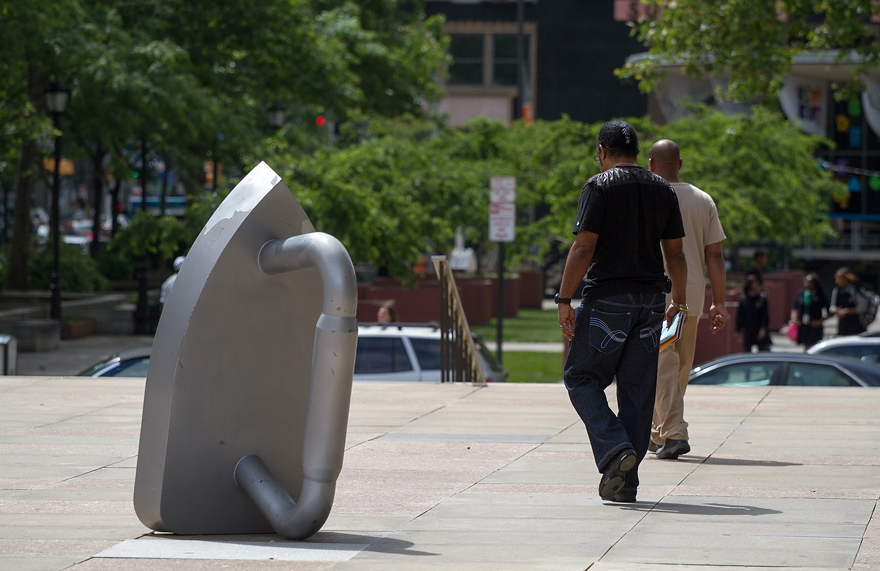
[(673, 369)]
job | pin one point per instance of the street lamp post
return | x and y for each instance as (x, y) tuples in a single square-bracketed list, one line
[(276, 116), (56, 101)]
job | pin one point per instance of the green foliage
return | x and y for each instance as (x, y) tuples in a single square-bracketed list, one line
[(147, 236), (401, 192), (752, 44), (190, 79), (79, 272), (762, 173)]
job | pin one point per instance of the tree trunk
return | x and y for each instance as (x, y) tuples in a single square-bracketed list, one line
[(22, 233), (97, 199), (114, 207)]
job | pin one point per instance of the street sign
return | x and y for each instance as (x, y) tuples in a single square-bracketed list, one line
[(502, 221), (502, 209), (502, 189)]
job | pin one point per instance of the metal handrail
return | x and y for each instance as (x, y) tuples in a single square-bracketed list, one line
[(458, 355)]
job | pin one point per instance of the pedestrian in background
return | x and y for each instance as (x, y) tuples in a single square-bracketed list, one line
[(169, 283), (702, 248), (387, 313), (810, 312), (847, 303), (759, 260), (753, 317), (626, 216)]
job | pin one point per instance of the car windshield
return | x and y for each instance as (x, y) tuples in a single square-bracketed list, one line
[(98, 366), (136, 367), (866, 352)]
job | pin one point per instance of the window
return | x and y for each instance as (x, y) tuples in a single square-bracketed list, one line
[(132, 368), (811, 375), (739, 375), (467, 59), (504, 59), (381, 355), (864, 352), (427, 353), (488, 60)]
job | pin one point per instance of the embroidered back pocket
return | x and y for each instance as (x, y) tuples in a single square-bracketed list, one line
[(608, 330)]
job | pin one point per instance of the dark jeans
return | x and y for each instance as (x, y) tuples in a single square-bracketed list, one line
[(616, 337)]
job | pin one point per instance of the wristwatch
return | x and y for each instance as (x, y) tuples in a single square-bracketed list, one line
[(557, 300)]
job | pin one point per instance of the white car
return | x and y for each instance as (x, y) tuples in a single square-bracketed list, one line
[(410, 352), (856, 346)]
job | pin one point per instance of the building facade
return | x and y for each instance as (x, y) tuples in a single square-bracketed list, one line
[(570, 51)]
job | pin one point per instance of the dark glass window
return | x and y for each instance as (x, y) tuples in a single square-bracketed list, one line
[(739, 375), (427, 353), (810, 375), (381, 355), (504, 59), (467, 59), (132, 368)]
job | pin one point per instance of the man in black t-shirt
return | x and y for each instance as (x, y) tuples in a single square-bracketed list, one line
[(628, 218)]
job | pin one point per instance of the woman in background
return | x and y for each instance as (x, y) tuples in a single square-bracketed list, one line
[(809, 312), (387, 313)]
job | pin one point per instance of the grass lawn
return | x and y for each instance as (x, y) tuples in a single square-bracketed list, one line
[(531, 367), (533, 326)]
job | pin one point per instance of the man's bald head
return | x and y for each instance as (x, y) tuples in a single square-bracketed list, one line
[(664, 159)]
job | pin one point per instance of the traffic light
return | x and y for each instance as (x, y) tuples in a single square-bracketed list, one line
[(321, 121)]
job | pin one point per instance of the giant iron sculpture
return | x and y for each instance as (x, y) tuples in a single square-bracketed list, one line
[(249, 384)]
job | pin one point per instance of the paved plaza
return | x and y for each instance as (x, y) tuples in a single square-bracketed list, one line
[(461, 477)]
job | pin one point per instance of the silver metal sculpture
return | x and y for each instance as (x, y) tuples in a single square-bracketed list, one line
[(249, 384)]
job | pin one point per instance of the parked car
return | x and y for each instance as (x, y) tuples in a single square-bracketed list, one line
[(792, 369), (130, 363), (856, 346), (410, 352), (386, 352)]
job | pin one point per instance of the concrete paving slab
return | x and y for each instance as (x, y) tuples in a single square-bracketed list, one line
[(462, 477), (239, 550)]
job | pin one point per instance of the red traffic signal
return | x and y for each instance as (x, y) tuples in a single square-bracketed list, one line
[(320, 121)]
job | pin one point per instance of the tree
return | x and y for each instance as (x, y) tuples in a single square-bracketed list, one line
[(191, 77), (402, 193), (752, 44), (762, 172), (34, 36)]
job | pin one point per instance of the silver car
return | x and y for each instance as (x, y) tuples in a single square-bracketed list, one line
[(410, 352), (857, 346)]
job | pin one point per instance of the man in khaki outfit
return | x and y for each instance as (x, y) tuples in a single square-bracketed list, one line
[(702, 249)]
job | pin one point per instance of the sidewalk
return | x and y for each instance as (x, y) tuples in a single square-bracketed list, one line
[(457, 477)]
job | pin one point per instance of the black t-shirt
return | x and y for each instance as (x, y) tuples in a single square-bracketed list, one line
[(631, 209)]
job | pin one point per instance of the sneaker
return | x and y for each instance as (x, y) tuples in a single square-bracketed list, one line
[(673, 449), (612, 477)]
